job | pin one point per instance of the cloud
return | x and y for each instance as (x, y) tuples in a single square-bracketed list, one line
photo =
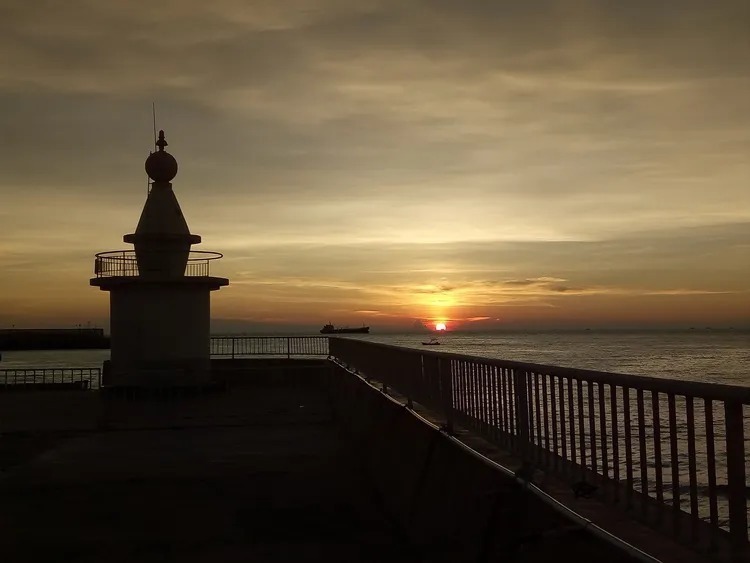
[(395, 152), (528, 282), (341, 275)]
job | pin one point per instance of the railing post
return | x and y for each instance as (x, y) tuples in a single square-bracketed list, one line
[(288, 347), (736, 475), (522, 412), (446, 387), (233, 339)]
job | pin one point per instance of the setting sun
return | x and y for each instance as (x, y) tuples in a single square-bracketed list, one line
[(439, 326)]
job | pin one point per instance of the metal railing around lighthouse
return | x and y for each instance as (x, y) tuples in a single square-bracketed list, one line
[(672, 453), (124, 263)]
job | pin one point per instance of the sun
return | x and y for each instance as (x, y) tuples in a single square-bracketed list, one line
[(439, 326)]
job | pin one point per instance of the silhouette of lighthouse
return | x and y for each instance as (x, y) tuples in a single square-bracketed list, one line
[(159, 293)]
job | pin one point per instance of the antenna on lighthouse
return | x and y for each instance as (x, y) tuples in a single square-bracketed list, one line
[(153, 114)]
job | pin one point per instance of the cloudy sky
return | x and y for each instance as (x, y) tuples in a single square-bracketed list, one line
[(485, 163)]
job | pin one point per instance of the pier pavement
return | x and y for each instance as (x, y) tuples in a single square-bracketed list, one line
[(261, 472), (236, 477)]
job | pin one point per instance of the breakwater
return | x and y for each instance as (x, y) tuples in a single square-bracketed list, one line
[(53, 339), (293, 460), (669, 453)]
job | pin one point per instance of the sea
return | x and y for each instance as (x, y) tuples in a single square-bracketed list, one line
[(714, 356)]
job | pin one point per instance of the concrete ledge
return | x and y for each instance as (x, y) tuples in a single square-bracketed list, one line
[(449, 504), (84, 385)]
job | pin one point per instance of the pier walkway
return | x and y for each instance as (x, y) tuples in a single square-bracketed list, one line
[(299, 460), (240, 476)]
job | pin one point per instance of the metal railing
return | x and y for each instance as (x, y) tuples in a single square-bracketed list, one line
[(673, 453), (13, 379), (239, 346), (123, 263)]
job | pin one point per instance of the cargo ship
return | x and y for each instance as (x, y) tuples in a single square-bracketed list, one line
[(330, 329)]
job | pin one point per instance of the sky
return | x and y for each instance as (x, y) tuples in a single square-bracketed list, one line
[(484, 163)]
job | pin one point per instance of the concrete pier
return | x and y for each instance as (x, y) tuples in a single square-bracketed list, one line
[(240, 476), (291, 461)]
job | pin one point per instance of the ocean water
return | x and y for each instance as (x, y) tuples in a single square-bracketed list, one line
[(53, 359), (710, 356), (706, 356)]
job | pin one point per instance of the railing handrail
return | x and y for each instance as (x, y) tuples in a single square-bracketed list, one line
[(696, 389), (262, 336), (130, 254), (127, 264), (50, 369), (288, 345), (610, 429), (9, 377)]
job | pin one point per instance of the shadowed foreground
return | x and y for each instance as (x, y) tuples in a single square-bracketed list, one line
[(308, 464), (227, 478)]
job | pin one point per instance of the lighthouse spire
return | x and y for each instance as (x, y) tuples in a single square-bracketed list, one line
[(162, 142)]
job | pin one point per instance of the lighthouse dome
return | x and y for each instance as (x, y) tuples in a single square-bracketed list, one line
[(160, 165)]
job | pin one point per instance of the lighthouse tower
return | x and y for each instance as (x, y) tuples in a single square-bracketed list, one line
[(159, 293)]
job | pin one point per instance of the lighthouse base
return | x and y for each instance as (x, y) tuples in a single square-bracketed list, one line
[(187, 373), (160, 331)]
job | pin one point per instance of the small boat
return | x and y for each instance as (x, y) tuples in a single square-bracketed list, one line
[(432, 342)]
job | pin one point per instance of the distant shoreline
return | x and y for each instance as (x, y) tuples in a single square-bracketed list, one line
[(395, 332)]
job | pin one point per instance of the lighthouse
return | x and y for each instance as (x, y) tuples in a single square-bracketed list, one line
[(160, 292)]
